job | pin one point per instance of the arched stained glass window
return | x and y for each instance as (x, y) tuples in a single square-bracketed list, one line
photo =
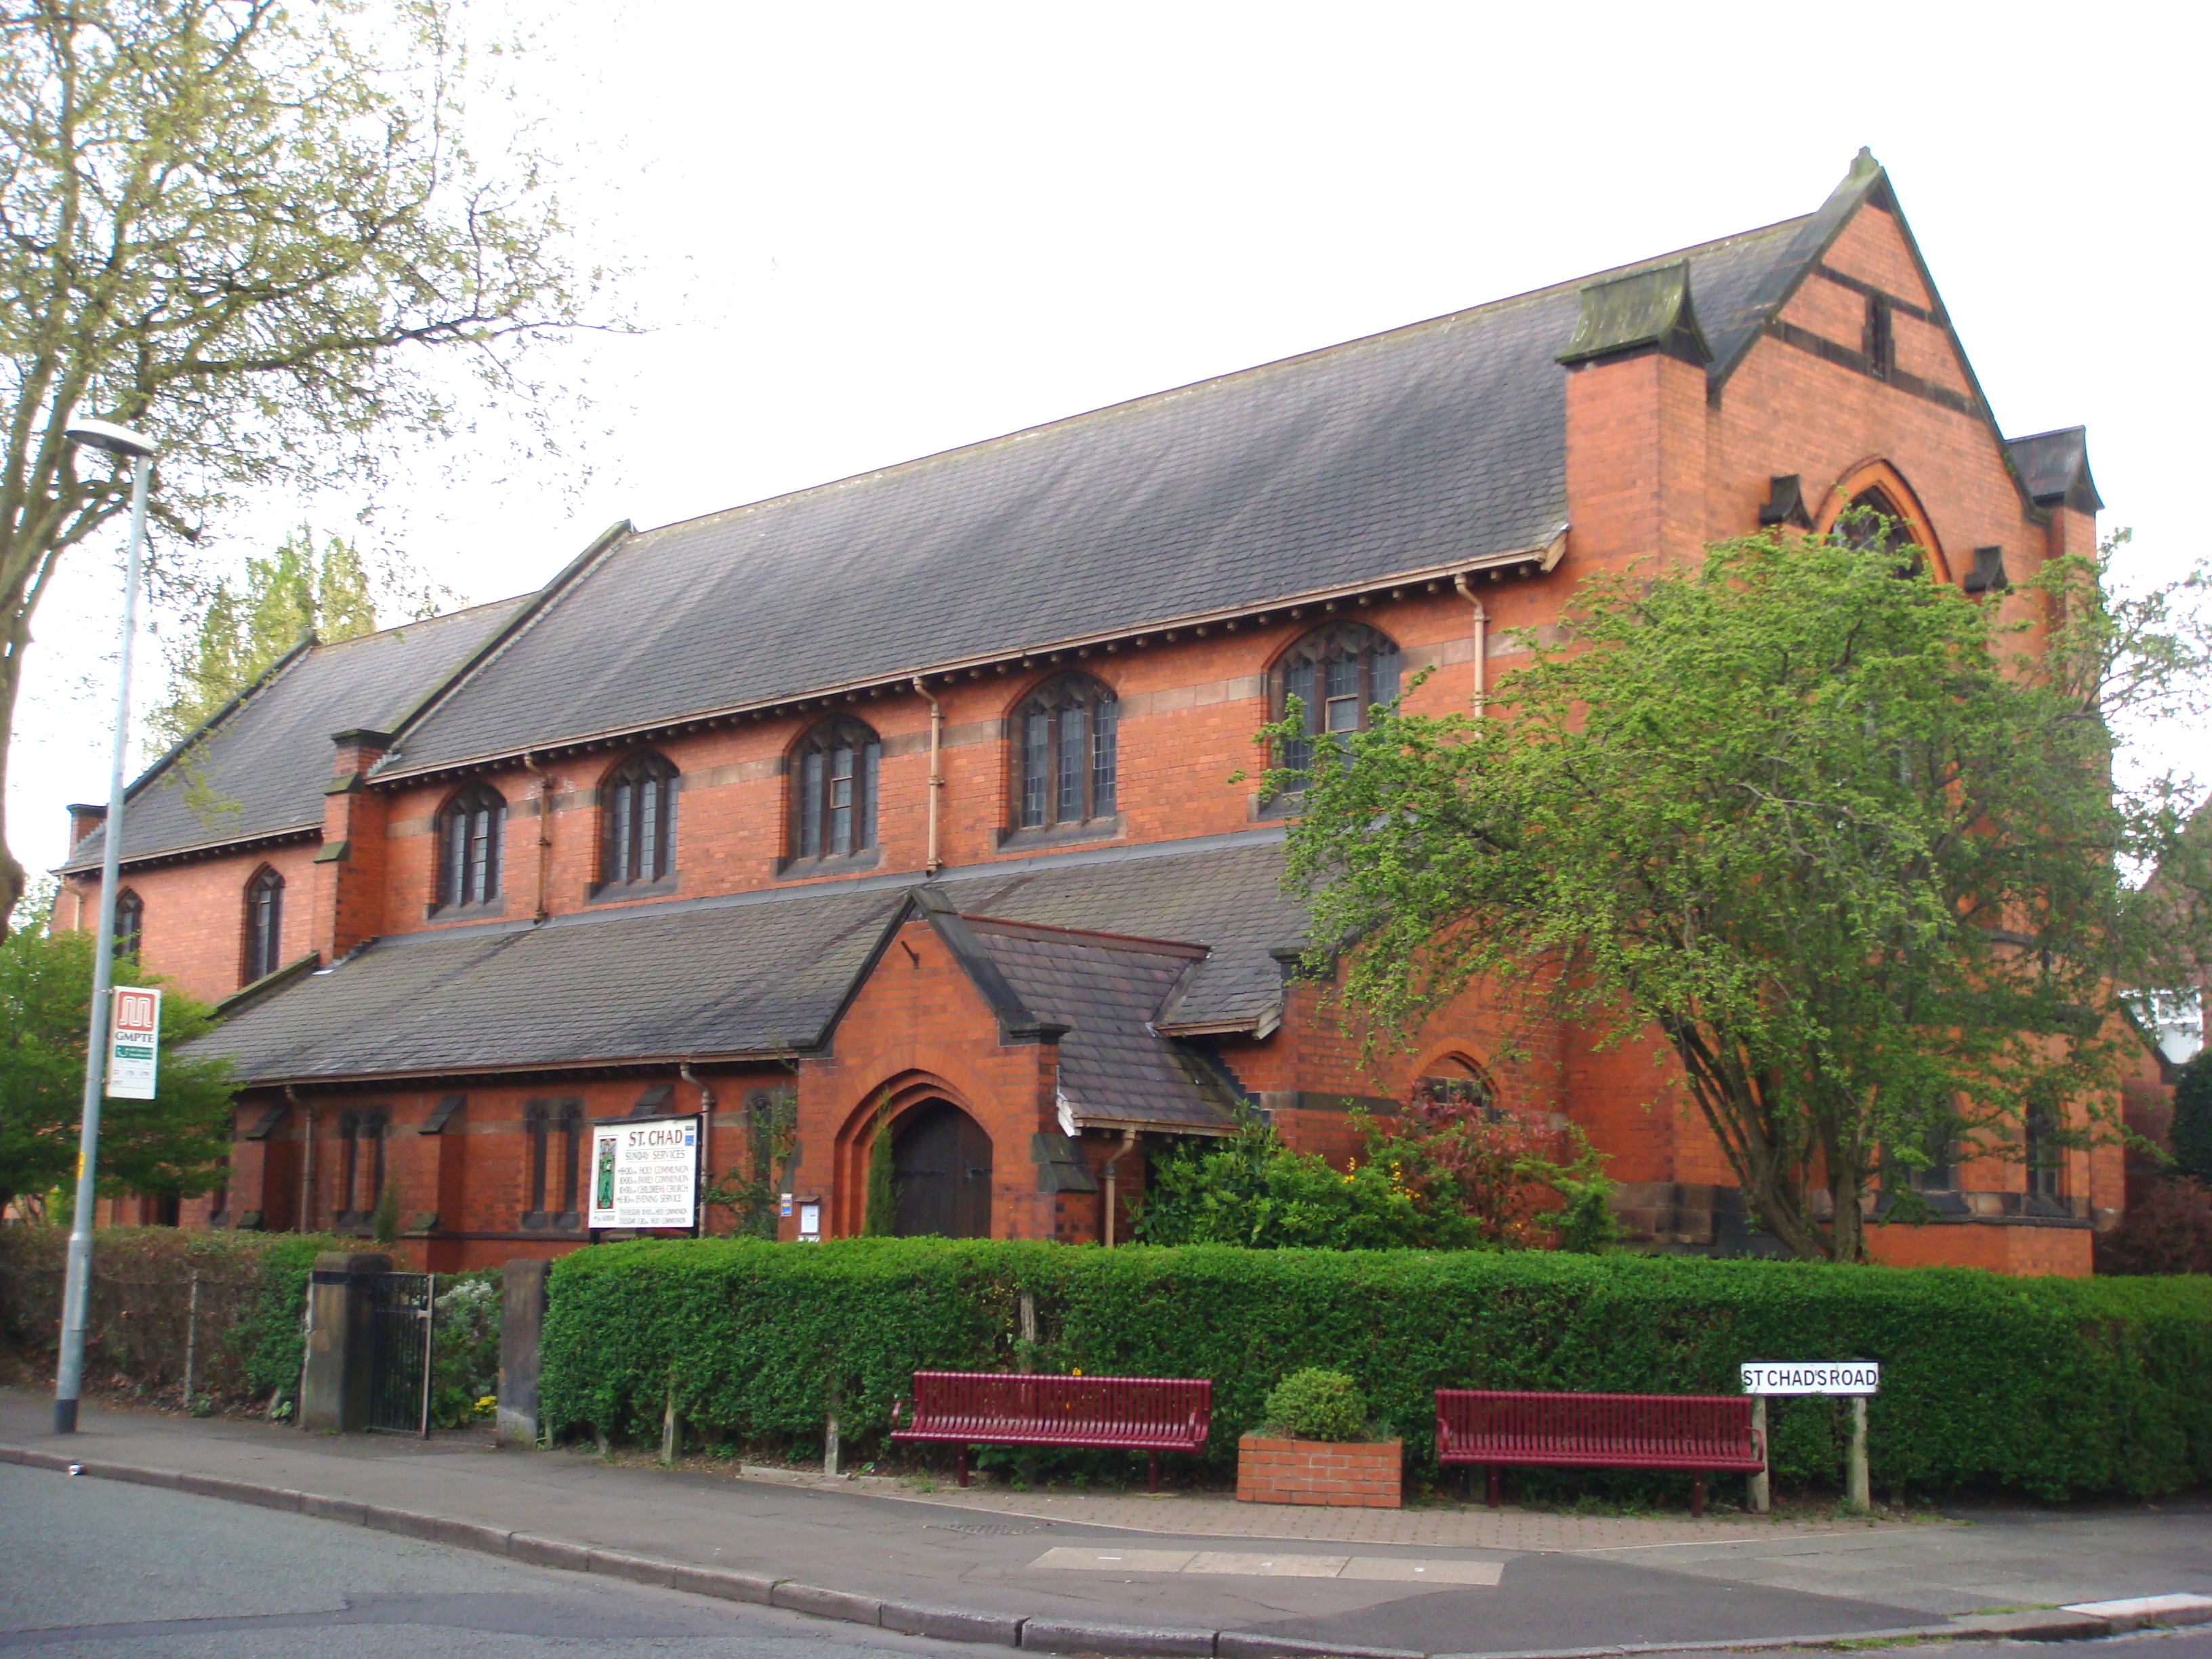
[(834, 790), (1338, 674), (638, 808), (1456, 1081), (264, 924), (1066, 731), (1873, 521), (470, 827)]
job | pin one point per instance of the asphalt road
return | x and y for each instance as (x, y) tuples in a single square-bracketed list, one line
[(106, 1570), (101, 1569)]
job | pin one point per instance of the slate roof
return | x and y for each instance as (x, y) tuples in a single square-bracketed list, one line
[(260, 766), (1114, 1066), (750, 973), (1405, 451)]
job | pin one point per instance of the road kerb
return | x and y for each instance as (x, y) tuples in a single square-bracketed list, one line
[(952, 1624), (1032, 1632), (826, 1604), (1121, 1641)]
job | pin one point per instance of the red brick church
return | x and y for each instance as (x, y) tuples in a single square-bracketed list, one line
[(907, 804)]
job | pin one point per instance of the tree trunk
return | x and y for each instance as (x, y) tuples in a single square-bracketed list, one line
[(13, 877)]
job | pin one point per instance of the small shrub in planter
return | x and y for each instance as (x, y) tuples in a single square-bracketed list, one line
[(1315, 1447)]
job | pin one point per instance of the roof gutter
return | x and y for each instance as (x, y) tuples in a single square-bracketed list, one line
[(384, 1076)]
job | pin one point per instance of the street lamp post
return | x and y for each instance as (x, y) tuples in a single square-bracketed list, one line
[(69, 1375)]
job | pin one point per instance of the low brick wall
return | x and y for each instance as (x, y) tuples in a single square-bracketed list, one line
[(1361, 1474)]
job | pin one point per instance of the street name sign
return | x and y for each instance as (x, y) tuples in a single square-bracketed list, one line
[(645, 1173), (1847, 1378), (133, 1042)]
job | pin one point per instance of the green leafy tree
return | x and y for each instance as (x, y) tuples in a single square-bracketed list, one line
[(253, 232), (1845, 838), (244, 628), (176, 1143)]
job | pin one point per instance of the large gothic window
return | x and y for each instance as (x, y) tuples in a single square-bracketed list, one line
[(264, 923), (1873, 521), (833, 807), (1064, 732), (638, 810), (470, 827), (1337, 674), (130, 922)]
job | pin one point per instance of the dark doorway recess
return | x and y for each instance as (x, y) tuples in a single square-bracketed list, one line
[(941, 1160)]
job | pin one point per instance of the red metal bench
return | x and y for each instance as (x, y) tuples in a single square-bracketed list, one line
[(1704, 1433), (1149, 1414)]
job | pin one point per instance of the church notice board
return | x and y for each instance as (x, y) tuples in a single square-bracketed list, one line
[(645, 1173)]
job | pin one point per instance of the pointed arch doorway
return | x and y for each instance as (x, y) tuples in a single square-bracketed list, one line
[(941, 1162)]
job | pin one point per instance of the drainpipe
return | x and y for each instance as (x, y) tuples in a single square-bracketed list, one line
[(706, 1133), (306, 1159), (544, 829), (1481, 642), (1128, 1140), (936, 769)]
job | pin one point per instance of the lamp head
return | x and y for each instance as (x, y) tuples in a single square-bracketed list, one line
[(119, 440)]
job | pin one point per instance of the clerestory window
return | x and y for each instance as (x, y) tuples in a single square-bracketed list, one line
[(1339, 675), (130, 922), (470, 828), (638, 812), (833, 804), (1066, 731), (264, 924)]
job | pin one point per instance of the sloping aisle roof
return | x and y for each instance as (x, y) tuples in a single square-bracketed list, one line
[(754, 973)]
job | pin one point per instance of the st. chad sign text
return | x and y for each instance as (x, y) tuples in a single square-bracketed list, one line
[(645, 1174)]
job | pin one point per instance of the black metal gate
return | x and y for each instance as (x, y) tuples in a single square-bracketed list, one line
[(400, 1314)]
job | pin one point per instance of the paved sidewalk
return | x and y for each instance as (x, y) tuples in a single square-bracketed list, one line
[(1445, 1526), (1076, 1572)]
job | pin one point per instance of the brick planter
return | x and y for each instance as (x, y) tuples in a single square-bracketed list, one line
[(1359, 1474)]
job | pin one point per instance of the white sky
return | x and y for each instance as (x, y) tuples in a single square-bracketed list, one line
[(861, 234)]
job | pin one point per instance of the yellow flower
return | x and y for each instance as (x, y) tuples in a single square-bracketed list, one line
[(1075, 1370)]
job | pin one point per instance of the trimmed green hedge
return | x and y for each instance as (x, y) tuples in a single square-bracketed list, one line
[(2051, 1386)]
